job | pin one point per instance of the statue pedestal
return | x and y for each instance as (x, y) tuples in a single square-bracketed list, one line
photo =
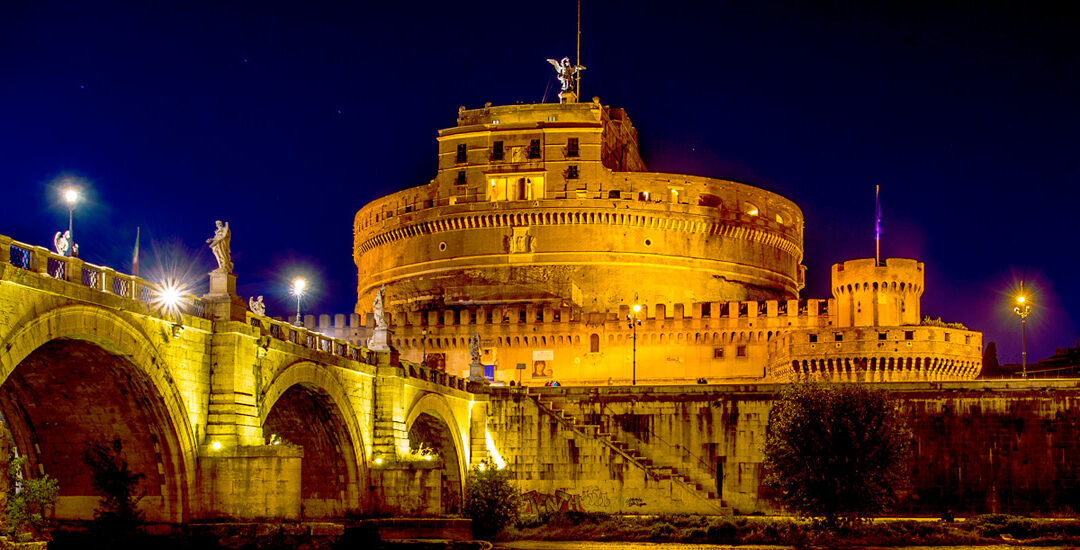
[(476, 373), (380, 340), (222, 302)]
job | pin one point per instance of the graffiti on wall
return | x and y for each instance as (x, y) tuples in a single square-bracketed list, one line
[(546, 503)]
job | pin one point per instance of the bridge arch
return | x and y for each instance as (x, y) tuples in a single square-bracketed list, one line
[(93, 374), (431, 417), (306, 405)]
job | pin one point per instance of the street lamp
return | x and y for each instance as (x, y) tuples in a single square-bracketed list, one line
[(298, 286), (423, 343), (632, 323), (71, 196), (1022, 310)]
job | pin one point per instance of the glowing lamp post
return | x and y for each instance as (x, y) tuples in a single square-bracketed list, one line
[(1022, 310), (71, 196), (298, 286), (423, 343), (632, 323)]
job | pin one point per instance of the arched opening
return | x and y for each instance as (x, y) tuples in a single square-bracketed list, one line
[(306, 416), (594, 343), (69, 392), (430, 435)]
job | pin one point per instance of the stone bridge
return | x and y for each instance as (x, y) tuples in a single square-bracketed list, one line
[(227, 414)]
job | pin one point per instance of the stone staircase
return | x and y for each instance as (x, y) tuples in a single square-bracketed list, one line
[(690, 479)]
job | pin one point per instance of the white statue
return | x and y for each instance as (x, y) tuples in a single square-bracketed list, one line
[(474, 348), (64, 246), (257, 306), (566, 72), (378, 309), (219, 245)]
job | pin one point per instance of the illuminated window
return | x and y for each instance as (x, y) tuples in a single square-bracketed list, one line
[(497, 150), (534, 149), (572, 172), (750, 209), (643, 196), (461, 177), (780, 219), (572, 147), (461, 152)]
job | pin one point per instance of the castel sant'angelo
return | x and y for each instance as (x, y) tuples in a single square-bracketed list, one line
[(544, 233)]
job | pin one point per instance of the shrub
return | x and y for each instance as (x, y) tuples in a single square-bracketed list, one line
[(118, 513), (492, 501), (836, 452), (28, 500)]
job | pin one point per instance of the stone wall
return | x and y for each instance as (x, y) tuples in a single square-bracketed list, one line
[(980, 447)]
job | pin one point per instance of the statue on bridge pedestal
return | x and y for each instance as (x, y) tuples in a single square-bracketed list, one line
[(257, 306), (219, 245), (476, 369), (64, 245), (380, 337)]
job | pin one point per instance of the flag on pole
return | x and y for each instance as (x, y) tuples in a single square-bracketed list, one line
[(135, 256), (877, 219)]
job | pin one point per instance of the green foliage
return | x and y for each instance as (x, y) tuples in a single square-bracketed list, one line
[(937, 322), (118, 513), (837, 453), (28, 500), (492, 500)]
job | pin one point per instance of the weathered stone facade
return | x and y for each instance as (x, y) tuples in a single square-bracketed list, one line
[(980, 447)]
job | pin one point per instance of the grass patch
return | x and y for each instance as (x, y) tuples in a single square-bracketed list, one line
[(980, 530)]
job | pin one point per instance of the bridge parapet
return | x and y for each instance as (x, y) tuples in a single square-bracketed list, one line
[(40, 260)]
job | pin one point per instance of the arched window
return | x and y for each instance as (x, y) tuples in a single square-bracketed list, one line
[(594, 343)]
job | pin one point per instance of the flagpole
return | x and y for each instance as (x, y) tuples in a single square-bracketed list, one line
[(877, 225), (135, 257)]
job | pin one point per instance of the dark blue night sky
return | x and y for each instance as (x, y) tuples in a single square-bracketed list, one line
[(285, 119)]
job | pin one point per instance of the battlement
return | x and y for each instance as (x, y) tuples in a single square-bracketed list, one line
[(876, 354)]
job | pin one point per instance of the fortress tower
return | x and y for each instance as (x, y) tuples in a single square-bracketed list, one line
[(542, 228), (551, 204)]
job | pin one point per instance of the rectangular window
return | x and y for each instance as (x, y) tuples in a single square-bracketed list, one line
[(461, 152), (497, 150), (572, 148), (839, 336), (813, 338), (909, 335), (882, 336), (947, 337), (718, 353), (534, 149), (706, 309), (572, 172), (740, 351), (461, 177)]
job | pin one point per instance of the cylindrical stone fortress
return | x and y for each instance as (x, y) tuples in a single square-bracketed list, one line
[(551, 203)]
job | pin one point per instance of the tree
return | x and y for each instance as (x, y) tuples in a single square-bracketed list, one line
[(118, 513), (27, 500), (836, 453), (492, 500)]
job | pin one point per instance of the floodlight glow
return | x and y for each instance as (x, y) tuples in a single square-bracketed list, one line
[(71, 195), (1020, 299), (298, 286), (637, 308), (216, 445)]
